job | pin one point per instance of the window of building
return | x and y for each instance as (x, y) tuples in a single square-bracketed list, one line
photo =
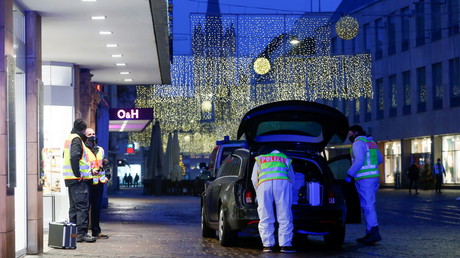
[(380, 98), (345, 108), (334, 50), (357, 105), (392, 162), (421, 89), (393, 93), (436, 71), (453, 10), (454, 82), (436, 18), (421, 155), (368, 109), (407, 93), (378, 38), (391, 34), (451, 158), (405, 28), (367, 37), (419, 23)]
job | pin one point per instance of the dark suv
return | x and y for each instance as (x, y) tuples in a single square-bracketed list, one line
[(301, 130)]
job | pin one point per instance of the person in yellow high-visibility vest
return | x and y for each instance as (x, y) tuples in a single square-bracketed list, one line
[(77, 176), (366, 158), (273, 177), (96, 160)]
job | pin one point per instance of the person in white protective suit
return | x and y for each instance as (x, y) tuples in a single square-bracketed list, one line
[(272, 177)]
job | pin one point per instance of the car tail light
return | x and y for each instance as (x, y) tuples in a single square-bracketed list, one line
[(248, 197), (331, 197)]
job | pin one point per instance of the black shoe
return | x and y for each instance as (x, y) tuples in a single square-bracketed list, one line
[(86, 238), (287, 249), (268, 249), (371, 237)]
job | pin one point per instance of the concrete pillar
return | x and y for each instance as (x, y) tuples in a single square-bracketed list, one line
[(33, 143), (7, 234)]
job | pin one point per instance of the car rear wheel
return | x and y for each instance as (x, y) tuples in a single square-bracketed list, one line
[(206, 231), (226, 236), (336, 237)]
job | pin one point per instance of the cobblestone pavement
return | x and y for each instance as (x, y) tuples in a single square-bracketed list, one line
[(425, 225)]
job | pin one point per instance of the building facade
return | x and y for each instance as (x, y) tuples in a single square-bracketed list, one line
[(416, 83)]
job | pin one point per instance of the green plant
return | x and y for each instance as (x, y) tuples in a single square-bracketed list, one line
[(426, 177)]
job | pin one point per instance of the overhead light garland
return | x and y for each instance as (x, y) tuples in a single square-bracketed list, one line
[(231, 72)]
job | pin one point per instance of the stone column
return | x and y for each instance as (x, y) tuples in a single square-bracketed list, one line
[(33, 144), (7, 233)]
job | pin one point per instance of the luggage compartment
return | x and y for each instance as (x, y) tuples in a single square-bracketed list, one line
[(307, 188)]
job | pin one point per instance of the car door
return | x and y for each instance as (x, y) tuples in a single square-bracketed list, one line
[(225, 177), (339, 166)]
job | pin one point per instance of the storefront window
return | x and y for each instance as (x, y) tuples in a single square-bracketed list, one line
[(421, 155), (392, 162), (451, 158)]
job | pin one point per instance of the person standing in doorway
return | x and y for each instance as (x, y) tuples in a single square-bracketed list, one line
[(364, 170), (77, 176), (273, 177), (439, 171), (413, 173), (96, 159)]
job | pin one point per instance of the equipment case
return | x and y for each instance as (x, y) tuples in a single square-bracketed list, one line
[(62, 235)]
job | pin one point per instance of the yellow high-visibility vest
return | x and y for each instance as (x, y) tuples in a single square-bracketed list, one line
[(95, 162), (84, 167)]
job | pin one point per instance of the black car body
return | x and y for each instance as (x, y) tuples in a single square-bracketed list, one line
[(301, 130)]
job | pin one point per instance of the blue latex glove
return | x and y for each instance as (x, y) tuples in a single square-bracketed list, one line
[(348, 179)]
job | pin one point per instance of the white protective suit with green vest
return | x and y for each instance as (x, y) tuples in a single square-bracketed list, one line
[(273, 177), (364, 169)]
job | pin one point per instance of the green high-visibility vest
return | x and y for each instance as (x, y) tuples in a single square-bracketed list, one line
[(371, 161), (273, 166), (95, 162)]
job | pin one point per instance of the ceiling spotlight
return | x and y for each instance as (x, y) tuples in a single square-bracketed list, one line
[(117, 55), (128, 80), (98, 17), (111, 45), (124, 72), (105, 32), (88, 0), (120, 64)]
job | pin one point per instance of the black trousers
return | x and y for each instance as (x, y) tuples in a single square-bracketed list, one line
[(96, 203), (438, 182), (79, 205)]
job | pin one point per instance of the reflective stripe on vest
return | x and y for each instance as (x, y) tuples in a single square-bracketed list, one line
[(84, 166), (273, 166), (96, 163), (371, 161)]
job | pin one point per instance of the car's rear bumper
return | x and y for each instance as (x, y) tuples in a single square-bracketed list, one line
[(317, 220), (241, 219)]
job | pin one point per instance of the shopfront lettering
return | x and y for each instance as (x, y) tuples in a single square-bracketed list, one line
[(130, 114)]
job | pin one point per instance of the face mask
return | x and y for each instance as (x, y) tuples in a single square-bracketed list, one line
[(352, 138), (92, 139)]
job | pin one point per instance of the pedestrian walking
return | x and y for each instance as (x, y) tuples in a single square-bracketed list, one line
[(273, 177), (77, 176), (129, 180), (364, 170), (439, 171), (414, 174), (96, 160), (136, 180)]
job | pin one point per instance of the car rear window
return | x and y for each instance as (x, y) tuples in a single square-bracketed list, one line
[(287, 127)]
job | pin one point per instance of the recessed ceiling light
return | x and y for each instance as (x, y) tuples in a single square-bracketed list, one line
[(124, 72), (128, 80), (105, 32), (117, 55), (88, 0), (98, 17), (111, 45), (120, 64)]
